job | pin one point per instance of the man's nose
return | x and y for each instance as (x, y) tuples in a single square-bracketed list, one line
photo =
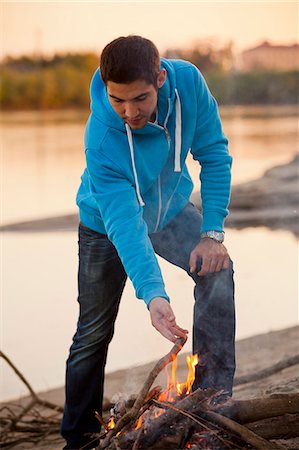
[(131, 110)]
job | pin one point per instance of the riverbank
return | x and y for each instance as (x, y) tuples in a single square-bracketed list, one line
[(270, 201), (253, 355)]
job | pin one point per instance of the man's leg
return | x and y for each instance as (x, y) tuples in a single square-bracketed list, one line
[(214, 312), (101, 281)]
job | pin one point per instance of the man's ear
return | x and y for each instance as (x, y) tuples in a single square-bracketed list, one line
[(161, 78)]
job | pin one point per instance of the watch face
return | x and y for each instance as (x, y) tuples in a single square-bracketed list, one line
[(217, 235)]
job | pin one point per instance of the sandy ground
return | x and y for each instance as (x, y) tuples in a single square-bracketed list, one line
[(253, 354)]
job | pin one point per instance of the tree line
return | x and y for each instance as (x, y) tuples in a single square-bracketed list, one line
[(62, 81)]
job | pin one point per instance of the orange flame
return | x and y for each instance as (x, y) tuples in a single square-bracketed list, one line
[(111, 423), (192, 361), (173, 387), (139, 423)]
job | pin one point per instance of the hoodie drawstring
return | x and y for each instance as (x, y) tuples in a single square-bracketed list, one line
[(129, 135), (178, 143), (178, 133)]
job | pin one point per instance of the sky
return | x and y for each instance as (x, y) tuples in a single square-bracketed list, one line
[(59, 26)]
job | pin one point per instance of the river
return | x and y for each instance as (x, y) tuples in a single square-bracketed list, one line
[(42, 160)]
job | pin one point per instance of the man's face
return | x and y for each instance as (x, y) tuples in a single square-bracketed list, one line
[(135, 102)]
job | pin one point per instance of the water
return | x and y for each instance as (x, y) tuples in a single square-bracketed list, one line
[(43, 160)]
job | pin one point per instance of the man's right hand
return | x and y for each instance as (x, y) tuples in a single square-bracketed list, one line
[(163, 319)]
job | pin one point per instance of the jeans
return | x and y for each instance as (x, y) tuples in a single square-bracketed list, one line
[(101, 281)]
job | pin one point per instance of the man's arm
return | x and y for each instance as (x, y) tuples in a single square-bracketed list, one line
[(125, 227), (210, 148)]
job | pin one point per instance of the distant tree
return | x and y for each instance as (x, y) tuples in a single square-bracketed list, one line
[(62, 81), (206, 55), (42, 83)]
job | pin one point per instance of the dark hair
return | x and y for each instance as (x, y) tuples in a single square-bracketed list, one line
[(131, 58)]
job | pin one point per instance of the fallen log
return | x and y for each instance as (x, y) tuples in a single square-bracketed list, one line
[(284, 427), (241, 431), (26, 423), (244, 411), (268, 371)]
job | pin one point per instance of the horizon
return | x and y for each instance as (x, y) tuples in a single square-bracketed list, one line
[(49, 28)]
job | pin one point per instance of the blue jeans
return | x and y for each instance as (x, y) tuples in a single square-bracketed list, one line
[(101, 282)]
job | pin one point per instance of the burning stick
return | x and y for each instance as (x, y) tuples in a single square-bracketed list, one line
[(131, 415)]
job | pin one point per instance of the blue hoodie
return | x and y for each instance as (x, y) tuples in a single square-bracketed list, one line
[(136, 181)]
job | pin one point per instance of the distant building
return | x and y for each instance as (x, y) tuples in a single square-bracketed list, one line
[(270, 57)]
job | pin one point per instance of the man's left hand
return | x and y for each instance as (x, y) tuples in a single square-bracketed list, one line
[(213, 255)]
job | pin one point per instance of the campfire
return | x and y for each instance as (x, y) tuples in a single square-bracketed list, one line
[(176, 418)]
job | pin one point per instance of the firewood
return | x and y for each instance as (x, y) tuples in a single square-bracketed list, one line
[(131, 415), (244, 433), (35, 398), (165, 425), (255, 409), (170, 423), (284, 427)]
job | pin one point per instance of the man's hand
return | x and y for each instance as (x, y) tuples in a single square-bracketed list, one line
[(163, 319), (213, 255)]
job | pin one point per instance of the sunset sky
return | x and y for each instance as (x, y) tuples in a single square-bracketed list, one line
[(49, 27)]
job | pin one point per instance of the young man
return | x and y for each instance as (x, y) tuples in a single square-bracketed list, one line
[(147, 113)]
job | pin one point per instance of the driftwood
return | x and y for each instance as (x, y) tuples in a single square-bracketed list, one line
[(26, 423), (264, 373), (35, 398)]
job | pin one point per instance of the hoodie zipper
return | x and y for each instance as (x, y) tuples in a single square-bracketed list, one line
[(168, 137), (159, 184), (159, 204)]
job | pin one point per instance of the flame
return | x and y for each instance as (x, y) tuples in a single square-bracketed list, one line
[(180, 388), (166, 395), (174, 388), (192, 361), (111, 423), (139, 423)]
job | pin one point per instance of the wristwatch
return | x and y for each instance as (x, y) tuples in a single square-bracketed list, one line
[(217, 236)]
